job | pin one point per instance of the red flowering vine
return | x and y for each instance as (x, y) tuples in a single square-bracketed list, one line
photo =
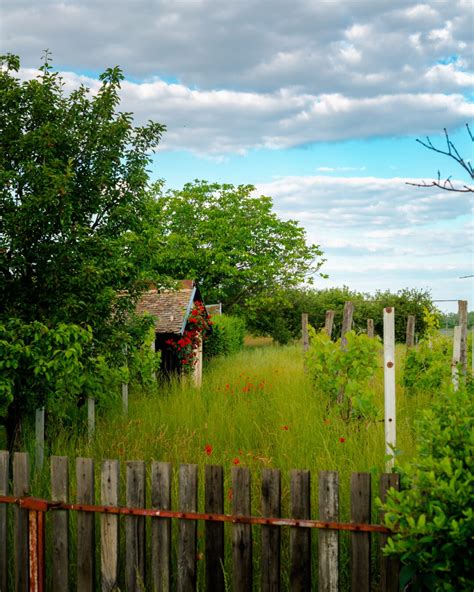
[(186, 346)]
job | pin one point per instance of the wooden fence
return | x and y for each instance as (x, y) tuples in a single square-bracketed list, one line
[(57, 545)]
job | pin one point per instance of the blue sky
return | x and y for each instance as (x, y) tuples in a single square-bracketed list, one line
[(317, 104)]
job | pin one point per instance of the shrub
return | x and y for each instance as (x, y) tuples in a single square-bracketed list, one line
[(433, 514), (227, 336)]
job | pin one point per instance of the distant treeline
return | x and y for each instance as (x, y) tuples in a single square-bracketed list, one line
[(449, 320)]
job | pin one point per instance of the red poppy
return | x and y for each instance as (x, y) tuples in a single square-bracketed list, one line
[(208, 449), (342, 440), (284, 428), (236, 461)]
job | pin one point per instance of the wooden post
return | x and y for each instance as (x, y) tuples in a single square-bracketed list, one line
[(328, 539), (21, 484), (161, 527), (214, 531), (389, 566), (304, 331), (90, 417), (360, 513), (456, 356), (109, 526), (329, 322), (187, 529), (370, 328), (462, 322), (85, 526), (410, 336), (242, 575), (135, 542), (300, 538), (39, 439), (60, 523), (389, 383), (346, 322), (4, 474), (271, 507)]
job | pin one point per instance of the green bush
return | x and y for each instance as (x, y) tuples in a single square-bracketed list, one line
[(433, 514), (226, 337)]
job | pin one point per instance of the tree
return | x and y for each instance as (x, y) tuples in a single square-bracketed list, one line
[(73, 201), (451, 152), (231, 242)]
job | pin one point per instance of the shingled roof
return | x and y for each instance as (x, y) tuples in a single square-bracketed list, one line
[(170, 308)]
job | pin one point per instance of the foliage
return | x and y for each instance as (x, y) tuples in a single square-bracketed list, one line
[(433, 514), (186, 346), (72, 206), (344, 371), (227, 336), (279, 313), (230, 241), (428, 366)]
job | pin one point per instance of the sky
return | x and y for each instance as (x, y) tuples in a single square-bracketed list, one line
[(316, 103)]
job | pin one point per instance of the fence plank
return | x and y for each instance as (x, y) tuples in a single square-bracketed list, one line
[(161, 527), (135, 542), (187, 531), (270, 553), (4, 472), (328, 539), (360, 513), (214, 532), (60, 523), (85, 526), (300, 538), (109, 526), (21, 481), (389, 566), (242, 574), (329, 322), (39, 439)]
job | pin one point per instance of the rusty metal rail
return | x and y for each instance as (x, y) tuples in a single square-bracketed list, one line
[(37, 509)]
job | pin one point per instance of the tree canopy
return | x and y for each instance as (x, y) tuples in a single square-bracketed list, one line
[(231, 241)]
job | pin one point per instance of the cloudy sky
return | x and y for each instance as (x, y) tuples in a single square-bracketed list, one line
[(317, 103)]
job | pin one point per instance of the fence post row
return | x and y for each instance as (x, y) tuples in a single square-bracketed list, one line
[(27, 551)]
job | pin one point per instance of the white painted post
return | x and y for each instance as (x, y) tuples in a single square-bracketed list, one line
[(90, 417), (39, 437), (456, 356), (389, 383)]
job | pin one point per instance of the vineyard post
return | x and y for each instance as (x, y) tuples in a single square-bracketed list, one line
[(304, 331), (462, 322), (90, 417), (328, 322), (389, 384), (370, 328), (456, 356), (410, 335)]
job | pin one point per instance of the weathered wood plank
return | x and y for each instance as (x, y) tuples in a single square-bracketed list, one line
[(410, 336), (347, 315), (370, 328), (328, 539), (39, 439), (135, 542), (60, 523), (304, 331), (389, 566), (109, 526), (214, 531), (21, 484), (329, 322), (271, 507), (161, 527), (4, 473), (360, 548), (85, 526), (187, 529), (300, 538), (242, 572)]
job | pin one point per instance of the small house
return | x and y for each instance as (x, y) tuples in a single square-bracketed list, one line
[(173, 312)]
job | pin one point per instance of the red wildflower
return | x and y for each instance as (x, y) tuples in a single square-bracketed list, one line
[(284, 428), (327, 421), (236, 461), (342, 440), (208, 449)]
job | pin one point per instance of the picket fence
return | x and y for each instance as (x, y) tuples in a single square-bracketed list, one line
[(44, 547)]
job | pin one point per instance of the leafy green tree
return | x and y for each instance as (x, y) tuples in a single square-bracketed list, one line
[(73, 206), (231, 242)]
